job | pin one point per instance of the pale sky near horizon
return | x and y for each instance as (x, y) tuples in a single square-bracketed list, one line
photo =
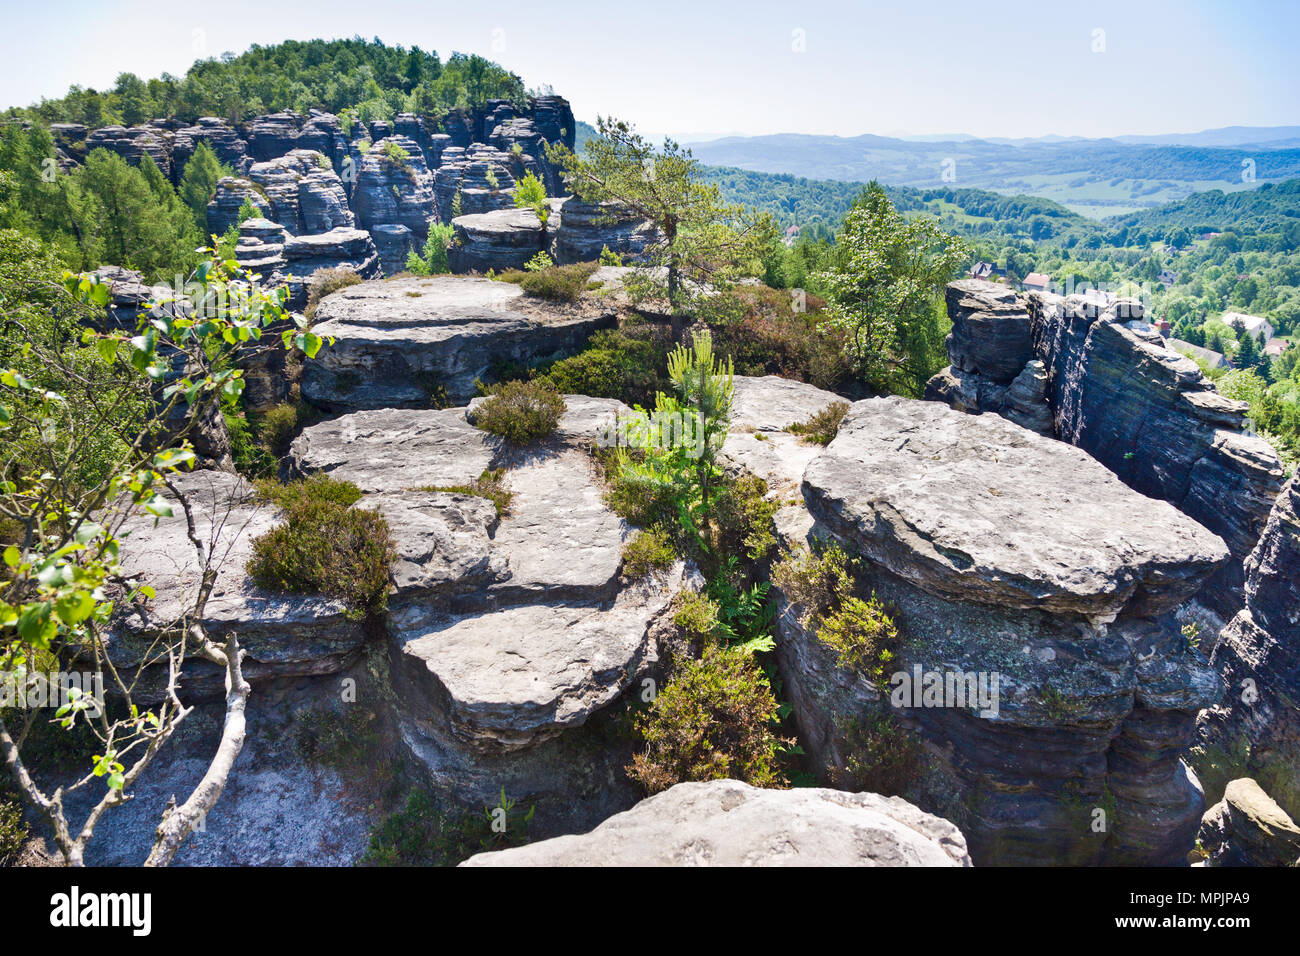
[(701, 69)]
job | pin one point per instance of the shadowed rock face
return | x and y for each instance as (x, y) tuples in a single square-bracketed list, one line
[(394, 191), (343, 246), (1258, 654), (1003, 552), (131, 143), (399, 342), (228, 146), (1115, 390), (728, 823), (579, 231), (1247, 828), (305, 193), (231, 194)]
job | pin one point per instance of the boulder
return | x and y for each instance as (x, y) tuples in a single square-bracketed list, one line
[(1006, 554), (393, 243), (1247, 828), (406, 341), (729, 823), (499, 240), (394, 191)]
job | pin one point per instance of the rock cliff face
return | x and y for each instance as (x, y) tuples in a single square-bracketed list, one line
[(727, 823), (342, 246), (505, 239), (231, 194), (473, 180), (579, 231), (220, 136), (405, 342), (306, 195), (1114, 390), (394, 191), (133, 143), (1247, 828), (1257, 730), (1006, 553)]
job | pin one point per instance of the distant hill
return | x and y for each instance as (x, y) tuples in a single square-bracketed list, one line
[(1097, 178)]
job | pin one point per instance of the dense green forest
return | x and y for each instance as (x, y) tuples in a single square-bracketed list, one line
[(373, 80)]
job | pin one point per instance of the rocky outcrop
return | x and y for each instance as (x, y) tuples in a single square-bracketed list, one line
[(322, 132), (391, 191), (394, 243), (305, 193), (305, 255), (220, 136), (1006, 554), (472, 181), (500, 240), (507, 635), (1117, 392), (579, 231), (231, 194), (260, 248), (1257, 729), (554, 120), (132, 143), (728, 823), (284, 635), (402, 343), (1247, 828), (272, 135)]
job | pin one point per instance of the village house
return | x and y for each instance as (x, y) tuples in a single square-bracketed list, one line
[(1258, 328), (1036, 282)]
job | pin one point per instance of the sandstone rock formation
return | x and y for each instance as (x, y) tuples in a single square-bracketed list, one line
[(342, 246), (231, 194), (499, 240), (1247, 828), (1258, 654), (400, 343), (579, 231), (394, 243), (227, 144), (1003, 552), (1117, 392), (131, 144), (728, 823), (473, 180), (272, 135), (394, 191), (306, 195)]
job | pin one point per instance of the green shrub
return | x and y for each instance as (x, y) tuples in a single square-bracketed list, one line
[(396, 154), (531, 194), (822, 427), (325, 281), (741, 520), (714, 719), (521, 412), (551, 282), (697, 615), (861, 632), (490, 485), (881, 756), (13, 831), (324, 546), (423, 835), (433, 260), (627, 364), (608, 258), (647, 552)]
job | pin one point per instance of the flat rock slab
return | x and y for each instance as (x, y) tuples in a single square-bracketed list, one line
[(288, 633), (977, 509), (399, 342), (511, 678), (396, 449), (728, 823)]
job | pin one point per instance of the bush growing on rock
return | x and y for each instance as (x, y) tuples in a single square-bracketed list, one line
[(822, 427), (433, 260), (324, 546), (882, 756), (323, 282), (490, 485), (647, 552), (421, 834), (551, 282), (521, 412), (861, 632), (627, 364), (714, 719), (531, 194)]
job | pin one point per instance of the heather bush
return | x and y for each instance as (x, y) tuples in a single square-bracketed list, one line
[(521, 412)]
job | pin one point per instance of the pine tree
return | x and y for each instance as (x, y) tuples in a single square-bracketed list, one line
[(199, 183)]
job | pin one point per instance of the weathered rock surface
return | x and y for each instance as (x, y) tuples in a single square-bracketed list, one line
[(1117, 392), (393, 243), (476, 180), (272, 135), (1258, 654), (342, 246), (131, 143), (227, 144), (1005, 553), (401, 341), (394, 192), (1247, 828), (976, 508), (284, 635), (305, 193), (498, 240), (728, 823), (578, 231), (231, 194)]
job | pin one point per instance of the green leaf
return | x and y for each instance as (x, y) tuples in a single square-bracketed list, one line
[(13, 557)]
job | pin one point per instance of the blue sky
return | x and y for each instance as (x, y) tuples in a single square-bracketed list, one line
[(704, 68)]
